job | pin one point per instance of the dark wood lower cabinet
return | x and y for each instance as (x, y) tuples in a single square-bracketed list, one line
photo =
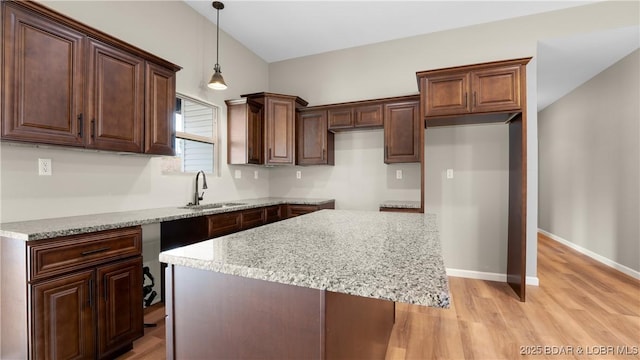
[(239, 318), (120, 315), (63, 322), (92, 309)]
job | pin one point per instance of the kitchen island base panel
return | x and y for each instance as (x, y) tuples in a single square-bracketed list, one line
[(214, 315)]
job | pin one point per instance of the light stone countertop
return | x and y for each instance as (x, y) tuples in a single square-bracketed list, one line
[(63, 226), (406, 204), (383, 255)]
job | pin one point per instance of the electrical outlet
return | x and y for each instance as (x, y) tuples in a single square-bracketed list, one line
[(298, 174), (44, 167), (398, 174), (238, 174), (255, 174), (449, 173)]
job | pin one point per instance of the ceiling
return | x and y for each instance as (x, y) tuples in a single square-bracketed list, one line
[(281, 30)]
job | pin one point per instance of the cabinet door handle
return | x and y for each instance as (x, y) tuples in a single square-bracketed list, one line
[(90, 293), (386, 152), (93, 128), (80, 125), (324, 153), (475, 103), (106, 289), (270, 154), (466, 95), (89, 252)]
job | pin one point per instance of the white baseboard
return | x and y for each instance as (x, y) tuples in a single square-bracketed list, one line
[(531, 280), (597, 257)]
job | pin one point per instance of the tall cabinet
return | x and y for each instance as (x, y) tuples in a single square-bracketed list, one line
[(65, 83), (486, 93), (261, 129)]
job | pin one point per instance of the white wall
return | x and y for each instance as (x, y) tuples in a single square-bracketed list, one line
[(590, 164), (356, 73), (360, 180), (91, 182)]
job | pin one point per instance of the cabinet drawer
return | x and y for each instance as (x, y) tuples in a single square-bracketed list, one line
[(297, 210), (252, 218), (223, 224), (73, 252)]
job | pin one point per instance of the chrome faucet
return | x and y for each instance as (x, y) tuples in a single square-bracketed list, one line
[(196, 196)]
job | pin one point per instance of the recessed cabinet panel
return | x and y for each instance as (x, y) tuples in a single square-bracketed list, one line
[(119, 305), (63, 320), (402, 132), (116, 94), (42, 89), (160, 87), (314, 141), (496, 89), (368, 116), (280, 123), (446, 94), (340, 118)]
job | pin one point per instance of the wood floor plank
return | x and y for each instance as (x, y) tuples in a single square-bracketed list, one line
[(579, 302)]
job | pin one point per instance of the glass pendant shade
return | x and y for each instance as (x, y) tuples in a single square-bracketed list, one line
[(217, 81)]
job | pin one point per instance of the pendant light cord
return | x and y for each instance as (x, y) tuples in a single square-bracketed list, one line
[(217, 36)]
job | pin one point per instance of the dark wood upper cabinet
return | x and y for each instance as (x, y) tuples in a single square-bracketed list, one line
[(160, 104), (402, 128), (42, 87), (368, 116), (475, 89), (279, 127), (65, 83), (340, 118), (261, 129), (314, 142), (355, 116), (244, 132), (115, 99)]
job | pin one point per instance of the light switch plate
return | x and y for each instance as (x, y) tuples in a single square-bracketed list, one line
[(298, 174), (238, 174), (398, 174), (44, 167), (449, 173), (255, 174)]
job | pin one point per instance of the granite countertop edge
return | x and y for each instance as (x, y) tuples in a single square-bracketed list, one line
[(43, 229)]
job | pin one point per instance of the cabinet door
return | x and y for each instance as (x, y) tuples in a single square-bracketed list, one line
[(42, 88), (496, 89), (160, 97), (115, 99), (402, 133), (313, 141), (446, 94), (368, 116), (120, 315), (255, 126), (340, 118), (274, 213), (63, 324), (280, 128)]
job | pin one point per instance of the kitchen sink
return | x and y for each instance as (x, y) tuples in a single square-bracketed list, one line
[(211, 206)]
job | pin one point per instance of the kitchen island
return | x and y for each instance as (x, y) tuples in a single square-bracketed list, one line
[(322, 285)]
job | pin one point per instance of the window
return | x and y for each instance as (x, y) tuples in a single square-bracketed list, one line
[(196, 135)]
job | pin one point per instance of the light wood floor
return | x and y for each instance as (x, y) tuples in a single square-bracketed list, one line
[(579, 303)]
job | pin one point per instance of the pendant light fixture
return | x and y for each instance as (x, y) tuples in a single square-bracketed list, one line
[(217, 82)]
